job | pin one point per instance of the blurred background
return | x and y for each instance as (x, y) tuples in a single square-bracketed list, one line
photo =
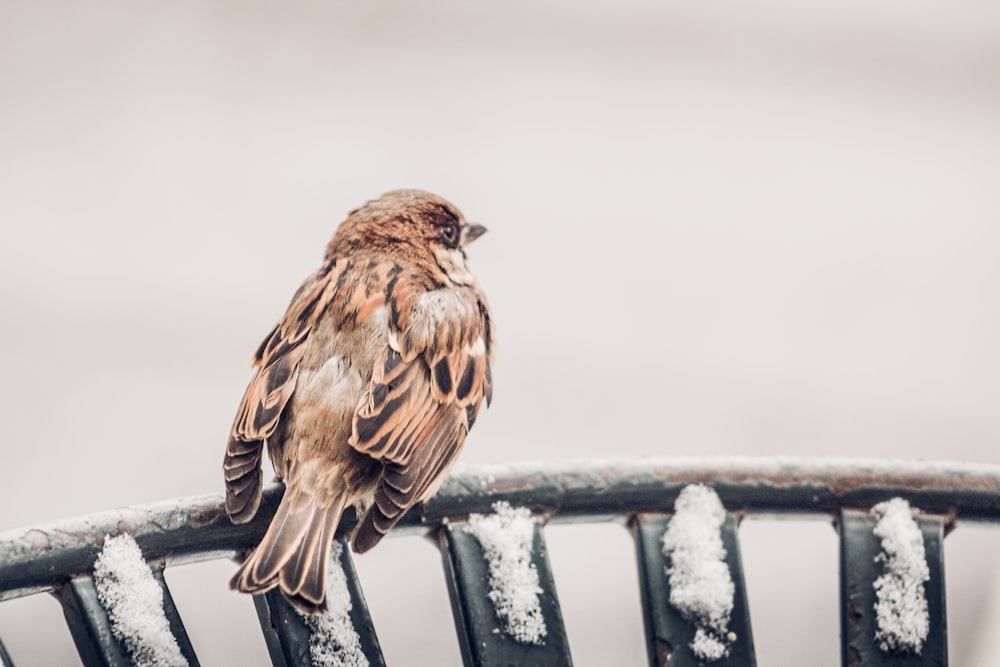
[(716, 228)]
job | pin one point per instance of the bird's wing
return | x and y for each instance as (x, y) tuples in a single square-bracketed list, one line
[(425, 393), (277, 363)]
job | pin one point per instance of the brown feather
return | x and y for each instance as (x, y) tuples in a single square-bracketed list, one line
[(293, 555), (268, 393), (412, 418), (364, 391)]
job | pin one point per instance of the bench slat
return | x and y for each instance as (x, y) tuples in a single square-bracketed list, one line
[(287, 635), (476, 622), (5, 660), (668, 634), (859, 547), (285, 631), (89, 625), (177, 628)]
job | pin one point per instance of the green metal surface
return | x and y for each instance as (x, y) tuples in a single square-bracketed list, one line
[(59, 556), (668, 633), (859, 549), (481, 640), (287, 634), (90, 626)]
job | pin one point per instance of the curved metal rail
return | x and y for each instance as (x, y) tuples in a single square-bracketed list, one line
[(56, 556)]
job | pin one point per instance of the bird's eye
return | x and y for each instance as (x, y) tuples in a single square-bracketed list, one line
[(449, 234)]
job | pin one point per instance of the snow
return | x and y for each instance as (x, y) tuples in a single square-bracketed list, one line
[(506, 537), (701, 586), (333, 641), (902, 621), (707, 646), (134, 602)]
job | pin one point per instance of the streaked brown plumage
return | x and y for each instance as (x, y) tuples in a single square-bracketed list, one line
[(364, 391)]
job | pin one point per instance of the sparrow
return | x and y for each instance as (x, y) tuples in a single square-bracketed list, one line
[(364, 391)]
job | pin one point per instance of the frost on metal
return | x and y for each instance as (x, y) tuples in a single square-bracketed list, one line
[(333, 641), (902, 620), (701, 586), (506, 537), (134, 602)]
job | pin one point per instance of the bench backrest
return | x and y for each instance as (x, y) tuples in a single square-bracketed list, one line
[(59, 557)]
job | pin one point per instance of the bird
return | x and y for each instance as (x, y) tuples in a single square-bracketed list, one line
[(364, 391)]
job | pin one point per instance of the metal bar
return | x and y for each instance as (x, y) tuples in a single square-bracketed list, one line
[(288, 635), (90, 626), (177, 628), (33, 560), (285, 631), (40, 558), (668, 634), (5, 660), (569, 490), (478, 627), (859, 547), (361, 619)]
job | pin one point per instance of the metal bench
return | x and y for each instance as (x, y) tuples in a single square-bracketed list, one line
[(59, 557)]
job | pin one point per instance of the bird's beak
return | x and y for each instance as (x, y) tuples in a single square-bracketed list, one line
[(472, 232)]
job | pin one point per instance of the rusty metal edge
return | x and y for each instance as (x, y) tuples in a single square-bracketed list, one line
[(189, 529)]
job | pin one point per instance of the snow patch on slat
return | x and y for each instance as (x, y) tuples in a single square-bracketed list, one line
[(701, 586), (134, 602), (506, 537), (333, 640), (901, 612)]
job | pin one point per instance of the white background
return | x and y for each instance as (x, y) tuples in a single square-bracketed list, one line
[(717, 228)]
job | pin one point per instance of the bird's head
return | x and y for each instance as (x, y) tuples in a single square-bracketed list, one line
[(413, 225)]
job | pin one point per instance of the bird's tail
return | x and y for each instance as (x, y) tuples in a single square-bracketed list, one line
[(293, 553)]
